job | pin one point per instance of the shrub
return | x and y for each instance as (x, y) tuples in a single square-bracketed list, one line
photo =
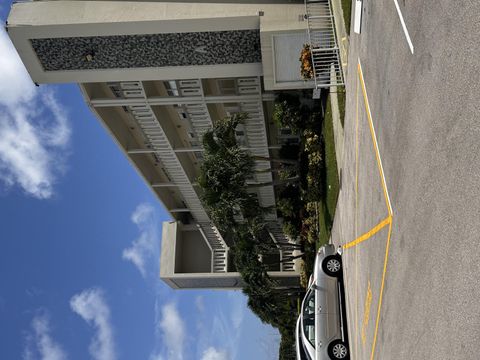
[(287, 113), (290, 229), (286, 207), (303, 275), (287, 173)]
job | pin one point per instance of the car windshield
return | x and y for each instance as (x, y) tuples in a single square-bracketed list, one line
[(308, 321), (301, 352)]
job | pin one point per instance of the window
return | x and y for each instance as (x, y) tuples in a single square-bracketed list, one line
[(309, 317), (302, 353)]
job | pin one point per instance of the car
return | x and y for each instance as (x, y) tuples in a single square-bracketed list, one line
[(321, 328)]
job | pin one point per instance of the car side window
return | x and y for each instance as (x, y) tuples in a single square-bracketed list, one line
[(309, 317)]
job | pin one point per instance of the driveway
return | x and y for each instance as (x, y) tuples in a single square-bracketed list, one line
[(408, 214)]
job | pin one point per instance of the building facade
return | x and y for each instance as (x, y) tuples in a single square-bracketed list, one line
[(158, 75)]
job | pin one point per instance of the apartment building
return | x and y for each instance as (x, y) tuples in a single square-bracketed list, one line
[(158, 75)]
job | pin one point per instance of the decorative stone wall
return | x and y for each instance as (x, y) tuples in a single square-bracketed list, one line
[(149, 50)]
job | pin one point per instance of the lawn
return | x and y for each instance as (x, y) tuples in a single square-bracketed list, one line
[(326, 207), (341, 103), (347, 12)]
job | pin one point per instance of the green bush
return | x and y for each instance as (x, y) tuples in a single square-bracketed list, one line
[(287, 112), (290, 229), (284, 116), (304, 276), (286, 207), (286, 173)]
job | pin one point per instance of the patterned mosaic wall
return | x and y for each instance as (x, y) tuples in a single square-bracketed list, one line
[(150, 50)]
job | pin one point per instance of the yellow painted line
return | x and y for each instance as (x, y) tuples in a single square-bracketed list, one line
[(366, 313), (374, 137), (356, 161), (381, 291), (370, 233), (374, 230), (356, 223)]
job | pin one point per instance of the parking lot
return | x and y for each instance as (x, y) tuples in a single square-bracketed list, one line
[(407, 215)]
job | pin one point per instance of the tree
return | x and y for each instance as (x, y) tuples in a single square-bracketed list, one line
[(223, 178)]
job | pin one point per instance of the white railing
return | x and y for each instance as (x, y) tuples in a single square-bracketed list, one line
[(278, 236), (256, 139), (147, 121), (219, 254), (197, 113), (323, 43)]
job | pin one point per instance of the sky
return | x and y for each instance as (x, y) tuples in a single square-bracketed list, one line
[(80, 243)]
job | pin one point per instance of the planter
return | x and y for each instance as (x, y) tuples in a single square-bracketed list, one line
[(306, 63)]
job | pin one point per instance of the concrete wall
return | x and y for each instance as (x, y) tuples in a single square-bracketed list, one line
[(272, 32), (70, 19), (195, 256), (167, 254)]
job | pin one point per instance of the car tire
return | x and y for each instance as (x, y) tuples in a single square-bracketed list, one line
[(332, 265), (338, 350)]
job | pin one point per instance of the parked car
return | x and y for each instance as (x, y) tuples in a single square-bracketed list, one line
[(321, 332)]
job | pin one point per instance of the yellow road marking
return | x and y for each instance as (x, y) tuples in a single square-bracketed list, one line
[(370, 233), (356, 222), (374, 138), (381, 291), (366, 313), (388, 220)]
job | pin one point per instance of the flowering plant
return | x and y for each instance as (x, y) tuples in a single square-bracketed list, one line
[(306, 67)]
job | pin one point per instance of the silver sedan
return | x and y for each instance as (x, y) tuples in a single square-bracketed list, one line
[(320, 332)]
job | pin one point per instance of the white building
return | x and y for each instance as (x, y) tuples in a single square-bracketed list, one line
[(157, 75)]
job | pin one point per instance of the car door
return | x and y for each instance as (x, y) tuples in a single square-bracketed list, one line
[(328, 309), (321, 320)]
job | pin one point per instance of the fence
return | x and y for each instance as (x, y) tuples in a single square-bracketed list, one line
[(323, 44)]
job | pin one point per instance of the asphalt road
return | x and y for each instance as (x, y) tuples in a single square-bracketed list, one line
[(413, 293)]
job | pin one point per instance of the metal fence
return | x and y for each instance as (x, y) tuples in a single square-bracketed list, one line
[(327, 68)]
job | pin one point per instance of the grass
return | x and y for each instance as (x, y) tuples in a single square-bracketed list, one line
[(347, 12), (326, 208), (341, 103)]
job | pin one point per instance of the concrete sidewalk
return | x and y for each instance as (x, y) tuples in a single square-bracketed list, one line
[(342, 36), (343, 43)]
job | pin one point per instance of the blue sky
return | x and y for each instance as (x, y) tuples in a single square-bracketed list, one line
[(80, 236)]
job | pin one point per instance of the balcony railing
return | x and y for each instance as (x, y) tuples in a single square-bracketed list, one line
[(327, 68)]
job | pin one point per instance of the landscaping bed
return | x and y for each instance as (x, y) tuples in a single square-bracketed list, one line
[(308, 208)]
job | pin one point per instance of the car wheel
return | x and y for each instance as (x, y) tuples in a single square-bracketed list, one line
[(338, 350), (332, 265)]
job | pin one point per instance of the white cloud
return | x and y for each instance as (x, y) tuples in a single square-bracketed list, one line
[(238, 310), (90, 304), (172, 330), (227, 323), (146, 246), (156, 357), (40, 342), (16, 86), (222, 330), (213, 354), (34, 130), (200, 303)]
